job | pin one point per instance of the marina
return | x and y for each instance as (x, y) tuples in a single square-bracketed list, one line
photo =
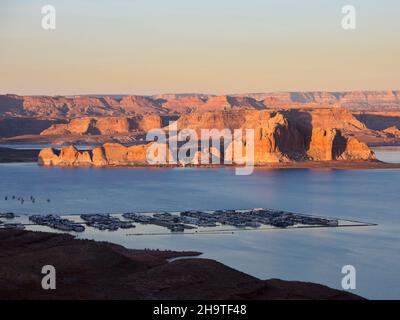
[(185, 222), (57, 222), (105, 222)]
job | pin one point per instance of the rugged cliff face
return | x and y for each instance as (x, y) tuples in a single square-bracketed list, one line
[(289, 135), (278, 137)]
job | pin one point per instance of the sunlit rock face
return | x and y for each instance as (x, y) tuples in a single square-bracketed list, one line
[(279, 136)]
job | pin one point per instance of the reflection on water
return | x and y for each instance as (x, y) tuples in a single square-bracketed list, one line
[(309, 255)]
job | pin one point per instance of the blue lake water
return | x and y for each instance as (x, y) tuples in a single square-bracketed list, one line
[(315, 255)]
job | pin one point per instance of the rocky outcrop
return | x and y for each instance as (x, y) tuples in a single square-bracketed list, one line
[(330, 144), (392, 131), (49, 157), (110, 154), (75, 126), (355, 150), (278, 137)]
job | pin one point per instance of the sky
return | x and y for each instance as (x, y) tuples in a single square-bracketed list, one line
[(207, 46)]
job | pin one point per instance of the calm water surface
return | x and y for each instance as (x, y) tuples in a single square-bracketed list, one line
[(315, 255)]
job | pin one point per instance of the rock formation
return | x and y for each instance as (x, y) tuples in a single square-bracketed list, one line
[(288, 135), (392, 131), (278, 137)]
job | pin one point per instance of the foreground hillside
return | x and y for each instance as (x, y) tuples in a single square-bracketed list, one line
[(94, 270)]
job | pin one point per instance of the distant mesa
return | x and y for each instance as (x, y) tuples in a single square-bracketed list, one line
[(68, 107)]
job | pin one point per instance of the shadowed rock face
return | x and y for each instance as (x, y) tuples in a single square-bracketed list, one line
[(379, 120), (278, 137), (11, 127)]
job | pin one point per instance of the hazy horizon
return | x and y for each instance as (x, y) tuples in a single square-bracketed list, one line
[(216, 47), (197, 93)]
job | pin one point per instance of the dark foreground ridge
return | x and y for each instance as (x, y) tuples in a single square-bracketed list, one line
[(97, 270)]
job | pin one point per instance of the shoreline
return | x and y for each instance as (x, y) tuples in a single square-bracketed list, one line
[(9, 155)]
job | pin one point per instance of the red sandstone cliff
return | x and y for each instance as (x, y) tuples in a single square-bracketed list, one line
[(110, 154), (278, 137), (289, 135)]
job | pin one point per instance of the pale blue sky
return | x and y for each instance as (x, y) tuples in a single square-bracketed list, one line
[(213, 46)]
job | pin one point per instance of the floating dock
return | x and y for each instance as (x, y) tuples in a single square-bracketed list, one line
[(180, 222)]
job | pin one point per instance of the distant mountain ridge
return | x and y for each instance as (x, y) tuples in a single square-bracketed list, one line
[(68, 107)]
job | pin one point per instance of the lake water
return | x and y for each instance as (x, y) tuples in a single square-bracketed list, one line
[(315, 255), (388, 154)]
